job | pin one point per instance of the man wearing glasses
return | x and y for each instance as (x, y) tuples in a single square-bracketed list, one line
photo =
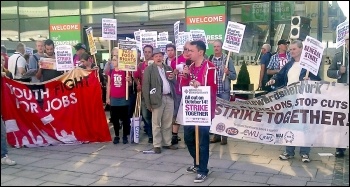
[(182, 61), (340, 71)]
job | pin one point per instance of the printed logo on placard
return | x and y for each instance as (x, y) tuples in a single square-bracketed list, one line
[(220, 127), (232, 131), (267, 137), (289, 137), (186, 91), (279, 138)]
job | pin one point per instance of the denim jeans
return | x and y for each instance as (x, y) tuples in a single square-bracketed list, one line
[(226, 96), (303, 150), (189, 136), (3, 139), (147, 119)]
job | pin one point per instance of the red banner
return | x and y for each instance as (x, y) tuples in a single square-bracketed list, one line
[(66, 110)]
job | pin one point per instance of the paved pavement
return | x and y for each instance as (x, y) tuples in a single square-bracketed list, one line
[(239, 163)]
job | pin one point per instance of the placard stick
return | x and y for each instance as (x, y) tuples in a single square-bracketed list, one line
[(307, 74), (226, 65), (127, 86), (98, 75), (109, 50), (176, 60), (197, 144), (344, 52)]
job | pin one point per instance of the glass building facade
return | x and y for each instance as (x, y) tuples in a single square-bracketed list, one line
[(266, 21)]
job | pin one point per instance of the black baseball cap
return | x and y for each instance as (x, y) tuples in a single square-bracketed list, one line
[(283, 41), (80, 46)]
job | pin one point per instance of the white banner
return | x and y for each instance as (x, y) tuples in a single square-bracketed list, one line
[(163, 36), (233, 37), (183, 38), (176, 31), (342, 30), (311, 56), (307, 113), (109, 29), (199, 35), (64, 58), (196, 105)]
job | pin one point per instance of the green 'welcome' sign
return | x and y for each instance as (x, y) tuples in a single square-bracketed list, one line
[(210, 19)]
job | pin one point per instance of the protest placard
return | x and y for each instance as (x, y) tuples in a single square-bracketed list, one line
[(233, 37), (127, 55), (163, 36), (47, 63), (176, 31), (342, 30), (109, 29), (149, 38), (311, 55), (183, 38), (161, 45), (29, 50), (93, 49), (199, 35), (64, 57), (196, 105)]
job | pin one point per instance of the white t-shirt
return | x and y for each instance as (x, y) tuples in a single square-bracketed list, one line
[(21, 63), (294, 73)]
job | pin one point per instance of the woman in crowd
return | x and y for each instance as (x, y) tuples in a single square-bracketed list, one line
[(116, 98)]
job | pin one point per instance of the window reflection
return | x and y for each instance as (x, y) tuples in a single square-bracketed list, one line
[(8, 9), (191, 4), (66, 8), (34, 29), (164, 5), (9, 30), (167, 14), (94, 18), (132, 17), (130, 6), (96, 7), (33, 9), (255, 17)]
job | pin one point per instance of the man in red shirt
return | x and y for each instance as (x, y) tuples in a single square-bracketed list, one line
[(201, 73), (138, 76)]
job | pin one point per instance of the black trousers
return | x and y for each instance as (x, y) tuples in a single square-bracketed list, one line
[(120, 113)]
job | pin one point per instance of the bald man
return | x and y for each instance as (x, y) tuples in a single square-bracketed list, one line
[(264, 62)]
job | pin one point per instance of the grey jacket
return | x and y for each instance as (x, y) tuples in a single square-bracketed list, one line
[(152, 86), (333, 69), (232, 75)]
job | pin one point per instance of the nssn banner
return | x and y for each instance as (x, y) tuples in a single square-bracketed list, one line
[(66, 110), (307, 113)]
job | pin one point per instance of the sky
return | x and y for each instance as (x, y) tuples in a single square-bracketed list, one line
[(344, 6)]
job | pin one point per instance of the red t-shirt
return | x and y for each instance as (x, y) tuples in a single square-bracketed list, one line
[(118, 83), (140, 70), (179, 79)]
